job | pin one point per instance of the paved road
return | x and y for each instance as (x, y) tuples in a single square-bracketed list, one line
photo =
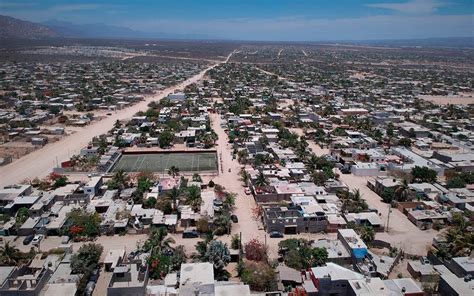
[(40, 162)]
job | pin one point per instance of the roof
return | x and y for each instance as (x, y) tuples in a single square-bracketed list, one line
[(289, 274), (466, 263), (196, 272), (5, 271), (231, 289), (335, 272), (408, 284)]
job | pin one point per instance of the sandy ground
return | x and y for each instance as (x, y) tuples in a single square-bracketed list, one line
[(460, 99), (39, 163)]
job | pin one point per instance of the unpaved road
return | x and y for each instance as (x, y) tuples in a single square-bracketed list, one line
[(40, 162), (401, 232)]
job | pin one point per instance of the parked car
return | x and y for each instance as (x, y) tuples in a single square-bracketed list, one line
[(94, 275), (37, 239), (133, 254), (190, 234), (28, 239), (247, 191), (90, 288), (65, 239), (234, 218), (424, 260), (276, 234)]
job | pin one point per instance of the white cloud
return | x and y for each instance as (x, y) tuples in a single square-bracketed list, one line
[(74, 7), (412, 7)]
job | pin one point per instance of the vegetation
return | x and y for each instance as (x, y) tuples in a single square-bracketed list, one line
[(83, 223), (423, 174), (255, 250), (259, 276), (298, 254)]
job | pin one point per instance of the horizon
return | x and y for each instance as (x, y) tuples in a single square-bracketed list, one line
[(276, 21)]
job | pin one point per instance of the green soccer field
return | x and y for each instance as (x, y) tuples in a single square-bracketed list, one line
[(161, 162)]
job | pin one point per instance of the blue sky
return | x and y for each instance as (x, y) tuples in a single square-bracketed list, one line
[(284, 20)]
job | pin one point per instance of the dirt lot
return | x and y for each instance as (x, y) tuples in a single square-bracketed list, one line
[(460, 99)]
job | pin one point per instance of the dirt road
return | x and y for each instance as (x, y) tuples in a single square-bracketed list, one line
[(401, 232), (40, 162)]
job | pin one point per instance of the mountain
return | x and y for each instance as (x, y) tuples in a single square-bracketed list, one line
[(101, 30), (98, 30), (14, 28)]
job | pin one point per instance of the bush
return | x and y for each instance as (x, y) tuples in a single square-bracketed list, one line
[(259, 276), (255, 250)]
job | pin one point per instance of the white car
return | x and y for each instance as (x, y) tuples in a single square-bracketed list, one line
[(37, 239)]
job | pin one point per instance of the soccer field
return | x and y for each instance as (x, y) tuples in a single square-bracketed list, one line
[(161, 162)]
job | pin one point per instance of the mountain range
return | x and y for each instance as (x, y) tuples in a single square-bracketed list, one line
[(15, 28)]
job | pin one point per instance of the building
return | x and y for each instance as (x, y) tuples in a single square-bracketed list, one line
[(353, 243), (93, 186), (128, 279)]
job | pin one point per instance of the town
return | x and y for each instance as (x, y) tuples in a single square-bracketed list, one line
[(252, 169)]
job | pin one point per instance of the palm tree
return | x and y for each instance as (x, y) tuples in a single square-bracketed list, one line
[(245, 176), (193, 197), (157, 240), (261, 180), (8, 254), (174, 195), (173, 171), (402, 191)]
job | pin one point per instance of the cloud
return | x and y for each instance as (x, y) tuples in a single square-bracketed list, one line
[(74, 7), (419, 7)]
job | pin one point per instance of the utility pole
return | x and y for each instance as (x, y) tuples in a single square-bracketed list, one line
[(388, 216)]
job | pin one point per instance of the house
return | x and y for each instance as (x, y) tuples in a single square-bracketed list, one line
[(365, 219), (330, 279), (25, 281), (128, 279), (353, 243), (93, 186), (113, 258)]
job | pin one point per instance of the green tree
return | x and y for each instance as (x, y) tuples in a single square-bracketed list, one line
[(22, 215), (261, 180), (9, 254), (259, 276), (218, 254), (320, 256), (173, 171), (86, 259), (423, 174), (166, 139)]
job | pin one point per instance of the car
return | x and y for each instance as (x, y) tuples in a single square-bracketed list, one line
[(234, 218), (247, 191), (94, 275), (133, 254), (190, 234), (90, 288), (28, 239), (276, 234), (109, 114), (37, 239), (65, 239), (424, 260)]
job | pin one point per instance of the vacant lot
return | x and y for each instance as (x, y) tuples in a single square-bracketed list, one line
[(460, 99), (161, 162)]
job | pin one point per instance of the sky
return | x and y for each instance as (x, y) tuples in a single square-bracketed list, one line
[(278, 20)]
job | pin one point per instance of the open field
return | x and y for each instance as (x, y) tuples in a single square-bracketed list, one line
[(460, 99), (161, 162)]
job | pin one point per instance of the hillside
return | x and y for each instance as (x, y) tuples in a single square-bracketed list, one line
[(14, 28)]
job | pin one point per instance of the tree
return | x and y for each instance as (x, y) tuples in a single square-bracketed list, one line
[(22, 215), (259, 276), (235, 242), (218, 254), (9, 254), (402, 191), (406, 142), (165, 139), (197, 178), (367, 234), (423, 174), (84, 223), (255, 250), (86, 259), (173, 171), (261, 180), (158, 240), (118, 181), (320, 256), (193, 197)]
